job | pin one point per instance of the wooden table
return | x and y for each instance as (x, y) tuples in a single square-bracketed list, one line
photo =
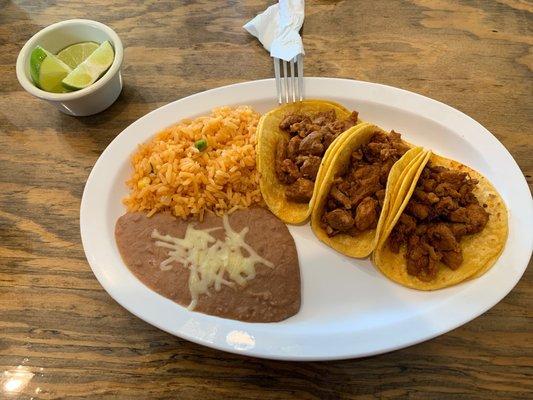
[(61, 334)]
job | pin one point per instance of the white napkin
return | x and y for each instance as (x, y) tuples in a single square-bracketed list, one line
[(278, 27)]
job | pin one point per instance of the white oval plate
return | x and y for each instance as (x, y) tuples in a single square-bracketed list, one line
[(348, 308)]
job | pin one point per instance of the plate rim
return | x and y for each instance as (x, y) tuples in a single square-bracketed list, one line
[(258, 351)]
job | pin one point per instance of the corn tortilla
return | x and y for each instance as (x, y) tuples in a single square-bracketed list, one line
[(268, 135), (362, 244), (480, 250)]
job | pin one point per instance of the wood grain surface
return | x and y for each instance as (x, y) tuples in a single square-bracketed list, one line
[(61, 334)]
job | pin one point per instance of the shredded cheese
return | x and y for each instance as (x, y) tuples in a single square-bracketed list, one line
[(211, 262)]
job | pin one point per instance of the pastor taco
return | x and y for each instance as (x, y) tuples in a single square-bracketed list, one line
[(294, 143), (356, 192), (451, 226)]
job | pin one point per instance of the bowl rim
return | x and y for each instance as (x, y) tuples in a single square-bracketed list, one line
[(23, 58)]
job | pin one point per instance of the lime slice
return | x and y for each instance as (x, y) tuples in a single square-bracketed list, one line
[(91, 69), (77, 53), (47, 71)]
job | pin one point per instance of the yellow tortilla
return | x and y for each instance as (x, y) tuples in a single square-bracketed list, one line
[(401, 194), (405, 179), (362, 244), (480, 251), (268, 135)]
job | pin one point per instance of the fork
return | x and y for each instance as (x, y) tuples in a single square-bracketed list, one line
[(290, 88)]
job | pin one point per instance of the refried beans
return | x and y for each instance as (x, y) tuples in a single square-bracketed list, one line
[(273, 294)]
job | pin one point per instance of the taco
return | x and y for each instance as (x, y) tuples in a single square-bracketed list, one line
[(294, 142), (360, 181), (451, 226)]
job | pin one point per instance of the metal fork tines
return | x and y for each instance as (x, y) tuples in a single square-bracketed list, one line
[(290, 87)]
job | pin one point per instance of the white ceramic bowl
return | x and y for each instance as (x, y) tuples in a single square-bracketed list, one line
[(94, 98)]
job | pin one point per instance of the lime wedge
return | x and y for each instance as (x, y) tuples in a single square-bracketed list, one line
[(47, 71), (91, 69), (77, 53)]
